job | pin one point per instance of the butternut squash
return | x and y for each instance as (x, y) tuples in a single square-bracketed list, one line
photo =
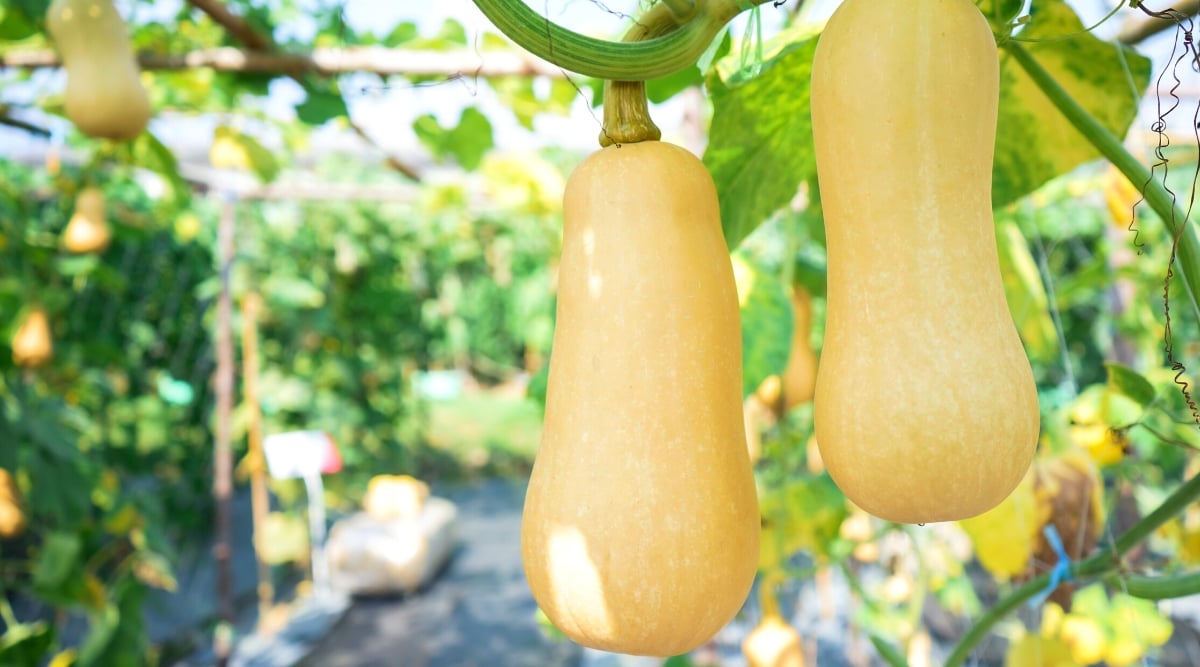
[(925, 408), (641, 526), (105, 97), (773, 643), (87, 231), (12, 516), (800, 376), (31, 343)]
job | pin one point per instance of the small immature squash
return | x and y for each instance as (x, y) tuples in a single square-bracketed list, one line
[(641, 527), (926, 408), (12, 516), (800, 376), (105, 97), (773, 643), (87, 231), (31, 344)]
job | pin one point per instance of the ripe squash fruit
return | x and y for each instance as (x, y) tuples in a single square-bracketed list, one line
[(105, 97), (12, 517), (31, 343), (87, 231), (800, 376), (926, 407), (641, 525), (773, 643)]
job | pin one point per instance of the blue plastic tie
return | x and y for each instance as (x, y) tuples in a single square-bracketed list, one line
[(1062, 569)]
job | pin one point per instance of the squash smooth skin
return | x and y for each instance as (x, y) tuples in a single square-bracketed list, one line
[(925, 408), (105, 97), (641, 526)]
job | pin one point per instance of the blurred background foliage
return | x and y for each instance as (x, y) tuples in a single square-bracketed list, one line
[(417, 332)]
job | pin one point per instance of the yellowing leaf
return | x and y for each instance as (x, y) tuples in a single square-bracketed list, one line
[(1025, 292), (1004, 536), (1037, 651), (232, 149), (1086, 637)]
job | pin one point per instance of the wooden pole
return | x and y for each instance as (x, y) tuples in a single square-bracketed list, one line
[(260, 502), (223, 450)]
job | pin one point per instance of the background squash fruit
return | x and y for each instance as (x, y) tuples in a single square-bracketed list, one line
[(31, 343), (87, 231), (105, 97), (926, 408), (800, 376), (641, 526), (12, 517)]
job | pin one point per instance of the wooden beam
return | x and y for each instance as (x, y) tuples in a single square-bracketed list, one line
[(1140, 27), (461, 63)]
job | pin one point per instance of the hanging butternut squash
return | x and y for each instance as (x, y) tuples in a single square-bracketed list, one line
[(31, 344), (926, 407), (105, 97), (87, 231)]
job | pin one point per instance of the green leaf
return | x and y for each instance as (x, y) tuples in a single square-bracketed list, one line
[(760, 145), (26, 644), (766, 322), (1130, 383), (661, 90), (468, 142), (1034, 142), (320, 107), (1026, 295), (16, 24), (58, 573), (890, 654), (236, 150)]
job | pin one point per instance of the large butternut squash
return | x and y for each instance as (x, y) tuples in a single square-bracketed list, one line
[(105, 97), (926, 408), (641, 526)]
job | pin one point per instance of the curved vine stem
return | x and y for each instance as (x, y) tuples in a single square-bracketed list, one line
[(1162, 588), (675, 46), (1157, 197), (1103, 564)]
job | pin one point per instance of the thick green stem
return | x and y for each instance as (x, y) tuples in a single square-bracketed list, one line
[(669, 51), (1160, 588), (1110, 146), (1103, 564), (627, 114)]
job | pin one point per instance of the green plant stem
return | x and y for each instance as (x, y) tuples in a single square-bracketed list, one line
[(674, 47), (1160, 588), (1102, 564), (1110, 147)]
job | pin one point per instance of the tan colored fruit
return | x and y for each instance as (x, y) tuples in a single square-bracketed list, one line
[(926, 408), (773, 643), (395, 497), (31, 344), (88, 231), (12, 517), (641, 526), (800, 377), (105, 97)]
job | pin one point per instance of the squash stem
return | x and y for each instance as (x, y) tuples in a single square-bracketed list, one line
[(1156, 195), (663, 53), (627, 114), (1159, 588)]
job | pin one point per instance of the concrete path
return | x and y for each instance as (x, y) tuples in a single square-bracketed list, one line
[(478, 613)]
